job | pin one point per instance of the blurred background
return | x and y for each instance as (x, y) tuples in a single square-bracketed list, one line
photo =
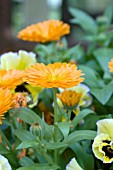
[(17, 14)]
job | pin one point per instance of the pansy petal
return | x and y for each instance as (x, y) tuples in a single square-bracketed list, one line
[(73, 165), (105, 126), (4, 164)]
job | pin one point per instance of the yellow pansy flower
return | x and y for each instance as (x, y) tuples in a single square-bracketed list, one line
[(103, 143)]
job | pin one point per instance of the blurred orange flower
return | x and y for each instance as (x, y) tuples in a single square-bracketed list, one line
[(45, 31), (110, 65), (20, 100), (10, 78), (53, 75), (5, 102)]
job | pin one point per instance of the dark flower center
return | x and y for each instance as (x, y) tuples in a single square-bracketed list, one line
[(108, 151)]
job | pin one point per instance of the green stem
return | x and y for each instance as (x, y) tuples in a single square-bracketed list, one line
[(55, 127), (47, 157), (69, 115), (5, 139)]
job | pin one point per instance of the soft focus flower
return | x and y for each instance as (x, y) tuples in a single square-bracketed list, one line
[(73, 165), (5, 102), (46, 31), (103, 142), (19, 61), (70, 99), (4, 164), (53, 75), (110, 65), (19, 100), (10, 78)]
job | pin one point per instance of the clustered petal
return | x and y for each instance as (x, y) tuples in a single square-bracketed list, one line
[(46, 31), (69, 98), (5, 102), (53, 75), (10, 78)]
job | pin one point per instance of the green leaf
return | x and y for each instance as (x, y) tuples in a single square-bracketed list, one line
[(23, 135), (55, 145), (92, 78), (80, 149), (27, 144), (64, 127), (25, 161), (103, 56), (47, 130), (109, 13), (27, 115), (104, 94), (3, 149), (80, 116), (80, 135), (39, 167), (84, 20), (76, 53)]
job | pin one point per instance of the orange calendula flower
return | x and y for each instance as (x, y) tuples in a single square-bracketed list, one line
[(10, 78), (110, 65), (5, 102), (46, 31), (53, 75), (70, 98)]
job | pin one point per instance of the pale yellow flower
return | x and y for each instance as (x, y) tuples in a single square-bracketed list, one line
[(4, 164), (73, 165), (20, 60)]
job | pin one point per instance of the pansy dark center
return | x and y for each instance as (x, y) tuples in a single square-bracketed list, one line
[(108, 150)]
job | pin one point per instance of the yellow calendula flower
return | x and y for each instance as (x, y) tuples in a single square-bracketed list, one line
[(46, 31), (5, 102), (110, 65), (70, 99), (53, 75), (19, 61), (11, 78), (4, 164), (103, 143), (73, 165)]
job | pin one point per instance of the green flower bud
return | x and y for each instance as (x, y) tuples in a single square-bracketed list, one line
[(60, 46), (36, 129)]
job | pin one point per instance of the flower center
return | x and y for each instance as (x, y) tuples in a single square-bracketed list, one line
[(108, 150)]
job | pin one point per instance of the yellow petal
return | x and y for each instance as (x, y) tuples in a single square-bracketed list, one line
[(105, 126)]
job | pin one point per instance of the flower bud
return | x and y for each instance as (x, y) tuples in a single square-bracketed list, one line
[(36, 129), (60, 46)]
